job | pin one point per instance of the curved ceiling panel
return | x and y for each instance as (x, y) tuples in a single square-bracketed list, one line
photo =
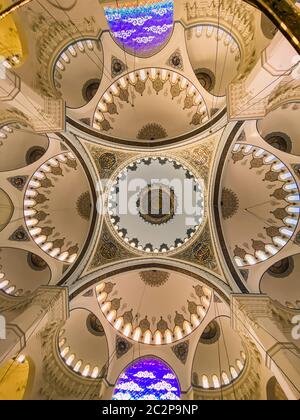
[(281, 282), (204, 44), (150, 104), (154, 216), (165, 306), (279, 128), (22, 272)]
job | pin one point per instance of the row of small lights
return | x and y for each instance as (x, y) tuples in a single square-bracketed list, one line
[(286, 232), (69, 360), (225, 378), (29, 212), (156, 338), (144, 74), (4, 131), (11, 62)]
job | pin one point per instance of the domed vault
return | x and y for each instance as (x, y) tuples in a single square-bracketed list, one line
[(149, 200)]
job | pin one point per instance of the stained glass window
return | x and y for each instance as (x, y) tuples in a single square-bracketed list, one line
[(142, 27), (147, 379)]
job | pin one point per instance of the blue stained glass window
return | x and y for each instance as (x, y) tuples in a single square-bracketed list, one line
[(147, 379), (141, 29)]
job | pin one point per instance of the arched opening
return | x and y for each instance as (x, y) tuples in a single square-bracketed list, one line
[(83, 345), (136, 38), (147, 379), (279, 128)]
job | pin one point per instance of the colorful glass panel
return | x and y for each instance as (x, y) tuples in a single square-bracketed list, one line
[(147, 379)]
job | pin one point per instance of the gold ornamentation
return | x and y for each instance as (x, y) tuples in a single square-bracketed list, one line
[(94, 325), (176, 60), (20, 235), (239, 252), (140, 86), (229, 203), (106, 161), (266, 165), (117, 67), (158, 84), (162, 326), (108, 250), (18, 182), (181, 351), (152, 131), (154, 278)]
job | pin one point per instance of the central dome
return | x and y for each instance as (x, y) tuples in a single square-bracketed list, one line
[(156, 204)]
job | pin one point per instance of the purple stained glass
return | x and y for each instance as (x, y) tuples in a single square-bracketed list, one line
[(141, 29), (147, 379)]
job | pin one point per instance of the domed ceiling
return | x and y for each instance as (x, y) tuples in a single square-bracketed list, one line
[(150, 197), (152, 314), (206, 372), (156, 215), (85, 356)]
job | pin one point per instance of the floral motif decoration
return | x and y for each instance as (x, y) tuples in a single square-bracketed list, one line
[(119, 93), (141, 28), (154, 278), (152, 131), (284, 191), (166, 331), (84, 205)]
